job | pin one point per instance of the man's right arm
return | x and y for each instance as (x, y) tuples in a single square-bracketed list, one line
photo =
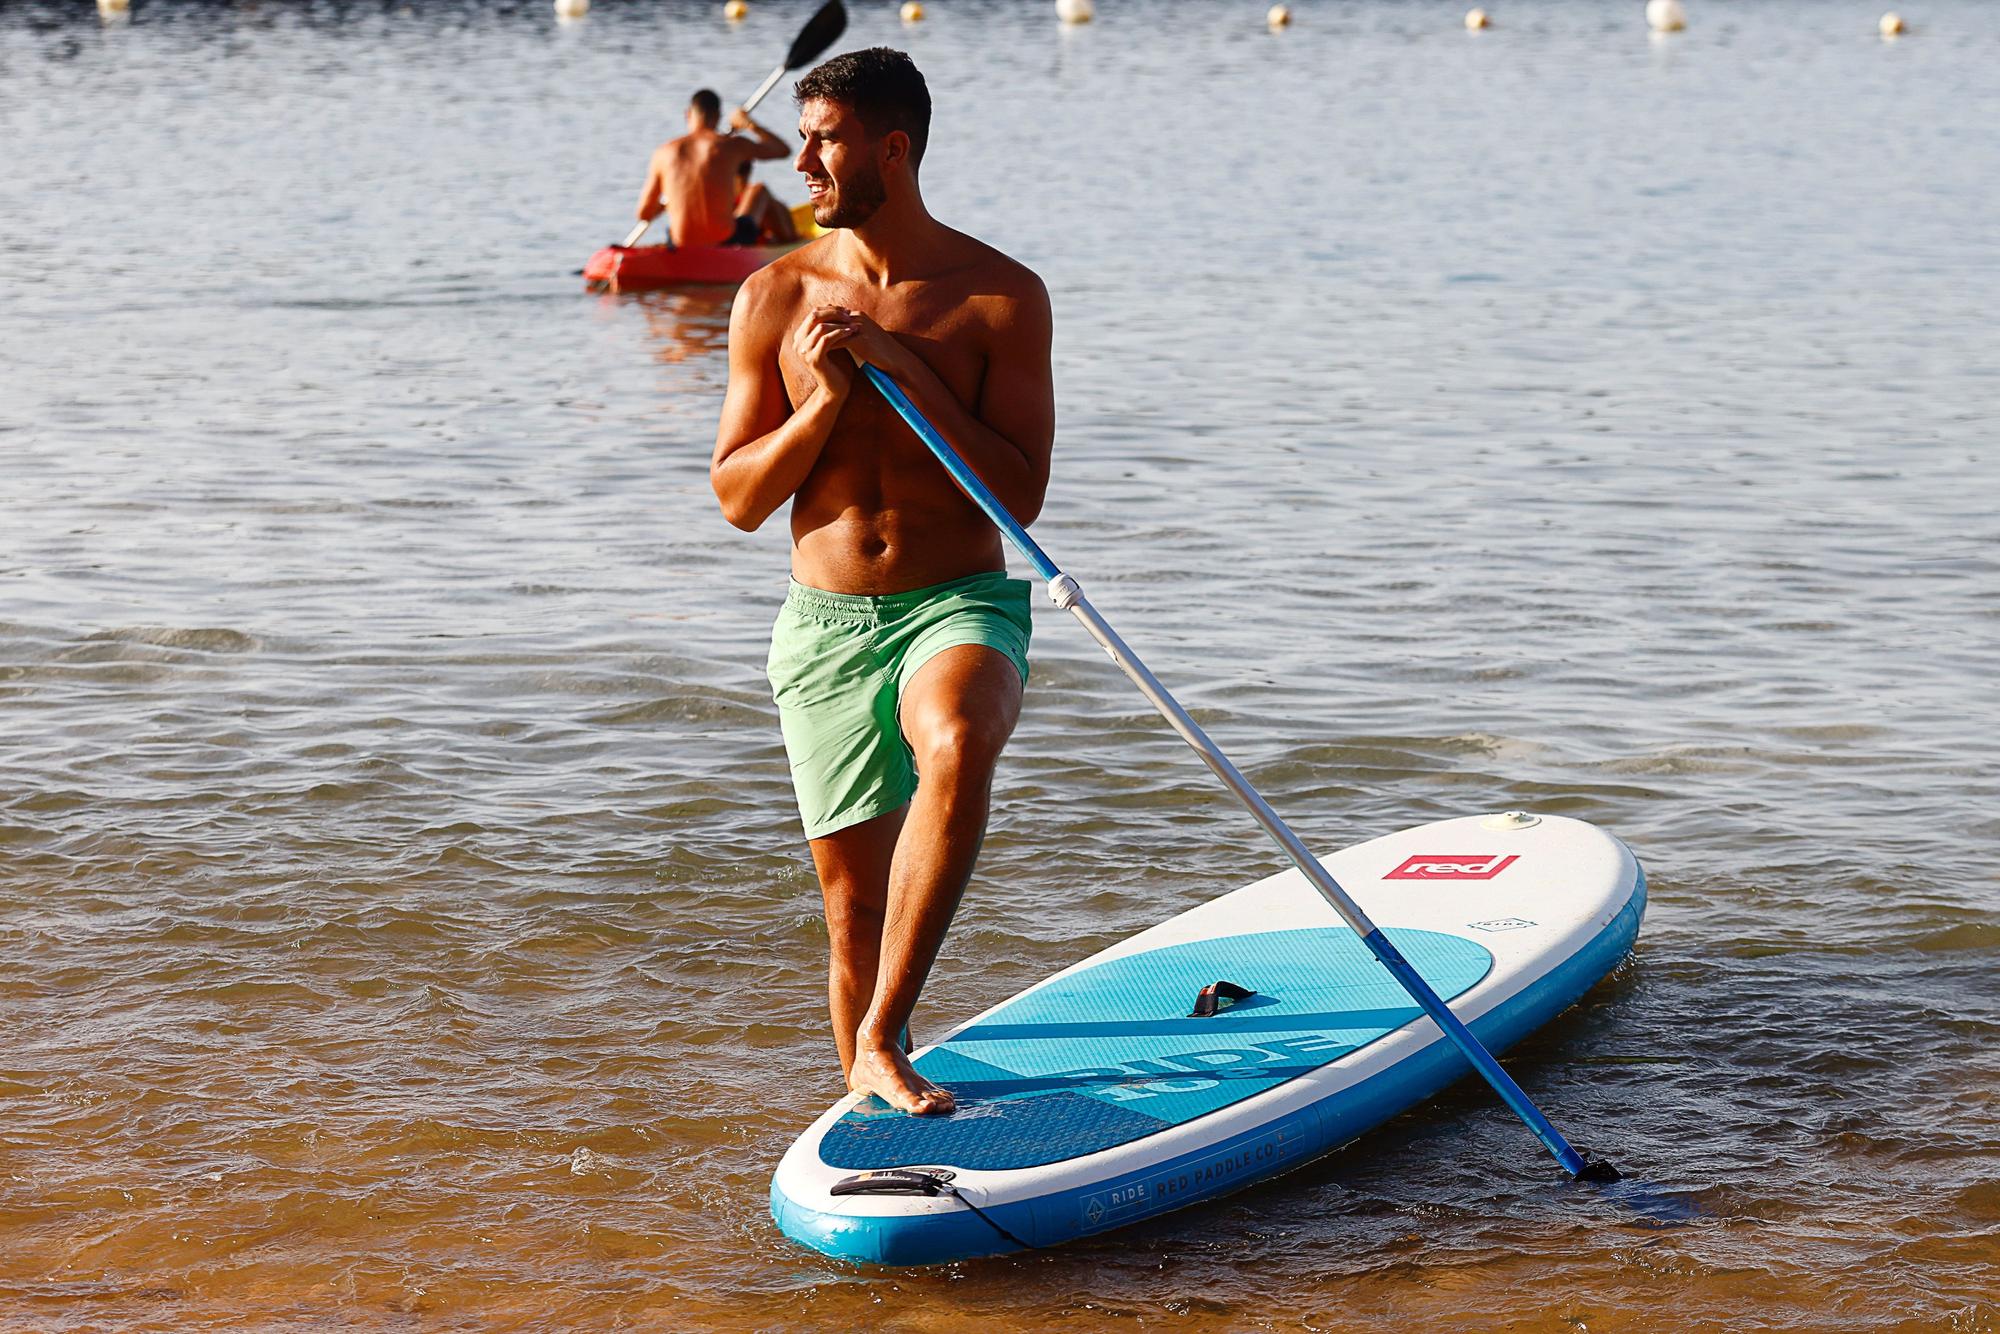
[(764, 449)]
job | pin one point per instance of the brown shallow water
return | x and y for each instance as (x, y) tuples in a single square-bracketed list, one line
[(403, 919)]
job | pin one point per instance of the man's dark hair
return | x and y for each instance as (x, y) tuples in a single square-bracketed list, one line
[(884, 89), (708, 104)]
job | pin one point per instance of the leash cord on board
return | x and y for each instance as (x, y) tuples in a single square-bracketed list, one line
[(987, 1218)]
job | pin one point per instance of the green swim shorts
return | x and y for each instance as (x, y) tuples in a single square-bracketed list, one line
[(839, 665)]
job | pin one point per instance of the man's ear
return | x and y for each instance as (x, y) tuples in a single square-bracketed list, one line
[(896, 147)]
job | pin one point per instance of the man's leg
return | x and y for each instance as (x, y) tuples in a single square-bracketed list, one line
[(853, 866), (957, 713), (778, 224), (772, 219)]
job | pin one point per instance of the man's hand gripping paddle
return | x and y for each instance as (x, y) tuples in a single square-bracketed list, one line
[(1067, 594), (818, 34)]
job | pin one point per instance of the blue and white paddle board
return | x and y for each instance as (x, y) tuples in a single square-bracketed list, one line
[(1094, 1099)]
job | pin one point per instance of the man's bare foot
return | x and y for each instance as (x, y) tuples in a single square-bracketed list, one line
[(887, 1073)]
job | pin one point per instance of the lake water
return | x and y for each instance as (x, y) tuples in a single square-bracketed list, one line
[(404, 921)]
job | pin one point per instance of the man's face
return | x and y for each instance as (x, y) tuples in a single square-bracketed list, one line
[(840, 163)]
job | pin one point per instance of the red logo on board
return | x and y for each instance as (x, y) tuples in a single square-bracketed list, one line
[(1462, 866)]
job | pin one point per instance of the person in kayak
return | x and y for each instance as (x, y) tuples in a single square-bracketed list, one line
[(899, 656), (772, 219), (693, 179)]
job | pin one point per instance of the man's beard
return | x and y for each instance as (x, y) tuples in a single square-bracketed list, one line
[(856, 200)]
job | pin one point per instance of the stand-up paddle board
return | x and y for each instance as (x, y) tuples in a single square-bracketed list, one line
[(1224, 1046)]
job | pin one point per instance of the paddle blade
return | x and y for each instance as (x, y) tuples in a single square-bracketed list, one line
[(1598, 1172), (818, 34), (1657, 1206)]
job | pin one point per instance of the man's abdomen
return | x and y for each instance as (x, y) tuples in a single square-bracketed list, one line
[(885, 551)]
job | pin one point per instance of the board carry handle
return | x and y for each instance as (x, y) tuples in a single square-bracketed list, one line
[(827, 23), (1067, 594)]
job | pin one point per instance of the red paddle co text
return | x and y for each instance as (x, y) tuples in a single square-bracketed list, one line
[(1460, 866)]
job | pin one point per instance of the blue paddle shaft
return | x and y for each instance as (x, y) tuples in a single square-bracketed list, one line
[(1475, 1051), (1069, 596), (968, 480)]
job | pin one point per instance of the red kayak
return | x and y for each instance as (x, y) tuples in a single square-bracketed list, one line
[(640, 268)]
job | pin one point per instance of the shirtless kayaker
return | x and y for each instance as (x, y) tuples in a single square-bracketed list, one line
[(899, 656), (693, 181)]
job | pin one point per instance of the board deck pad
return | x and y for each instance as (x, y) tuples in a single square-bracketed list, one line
[(1108, 1054)]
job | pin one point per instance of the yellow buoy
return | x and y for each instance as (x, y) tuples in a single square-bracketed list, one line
[(113, 6), (572, 9), (1279, 17), (1476, 18), (913, 12), (1666, 15), (1075, 11), (1892, 24), (736, 11)]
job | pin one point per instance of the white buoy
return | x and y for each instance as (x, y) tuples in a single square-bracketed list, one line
[(736, 11), (913, 12), (572, 9), (1075, 11), (1892, 25), (1477, 18), (1279, 17), (1666, 15)]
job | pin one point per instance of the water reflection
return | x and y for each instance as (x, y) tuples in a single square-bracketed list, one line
[(685, 323)]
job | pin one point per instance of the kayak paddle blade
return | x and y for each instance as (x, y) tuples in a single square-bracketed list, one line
[(818, 34)]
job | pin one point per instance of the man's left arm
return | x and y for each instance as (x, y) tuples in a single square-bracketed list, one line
[(761, 143), (1005, 437)]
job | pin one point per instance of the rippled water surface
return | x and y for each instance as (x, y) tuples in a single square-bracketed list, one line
[(404, 922)]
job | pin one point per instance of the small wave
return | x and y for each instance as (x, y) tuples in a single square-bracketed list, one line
[(686, 707), (1966, 937), (198, 640)]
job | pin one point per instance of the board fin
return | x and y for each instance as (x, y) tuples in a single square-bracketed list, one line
[(1216, 997)]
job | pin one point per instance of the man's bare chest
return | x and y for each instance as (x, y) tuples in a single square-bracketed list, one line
[(945, 329)]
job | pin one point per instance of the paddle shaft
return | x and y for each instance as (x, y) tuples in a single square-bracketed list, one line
[(1067, 594)]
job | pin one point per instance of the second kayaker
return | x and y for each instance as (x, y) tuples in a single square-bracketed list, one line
[(693, 179), (756, 202)]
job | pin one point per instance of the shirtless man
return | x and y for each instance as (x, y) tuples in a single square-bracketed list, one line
[(902, 647), (693, 180)]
